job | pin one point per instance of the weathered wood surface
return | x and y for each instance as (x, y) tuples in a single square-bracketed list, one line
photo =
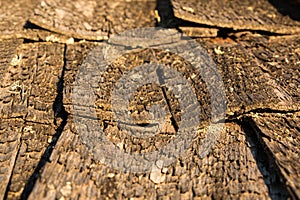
[(73, 173), (14, 23), (93, 20), (199, 31), (258, 72), (30, 82), (14, 15), (10, 134), (10, 129), (28, 90), (246, 15), (8, 49), (280, 134), (41, 152), (226, 53)]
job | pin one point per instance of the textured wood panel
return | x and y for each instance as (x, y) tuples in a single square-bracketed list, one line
[(229, 171), (280, 134), (245, 15), (94, 20)]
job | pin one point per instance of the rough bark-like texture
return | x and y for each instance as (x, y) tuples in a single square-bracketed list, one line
[(10, 131), (75, 55), (10, 134), (279, 57), (43, 152), (229, 171), (29, 88), (258, 72), (94, 20), (280, 134), (8, 49), (246, 15), (141, 101), (30, 82), (34, 140), (14, 15), (221, 50), (165, 18), (199, 31)]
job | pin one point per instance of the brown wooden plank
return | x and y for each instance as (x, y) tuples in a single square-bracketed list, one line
[(10, 131), (29, 89), (75, 55), (279, 57), (258, 72), (143, 99), (251, 81), (238, 15), (229, 171), (94, 20), (227, 56), (280, 135), (104, 181), (29, 82), (150, 95)]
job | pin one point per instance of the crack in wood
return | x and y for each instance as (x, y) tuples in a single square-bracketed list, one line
[(59, 112), (264, 160), (12, 168)]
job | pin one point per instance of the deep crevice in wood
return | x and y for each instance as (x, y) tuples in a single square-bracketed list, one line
[(274, 180), (59, 112), (29, 41), (164, 92), (30, 25), (11, 175), (166, 14)]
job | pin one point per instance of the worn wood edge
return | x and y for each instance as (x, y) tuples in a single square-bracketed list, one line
[(267, 28), (67, 33), (284, 177)]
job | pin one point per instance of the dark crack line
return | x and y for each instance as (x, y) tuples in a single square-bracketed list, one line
[(166, 14), (265, 160), (161, 81), (58, 107), (59, 112), (173, 121), (12, 171)]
